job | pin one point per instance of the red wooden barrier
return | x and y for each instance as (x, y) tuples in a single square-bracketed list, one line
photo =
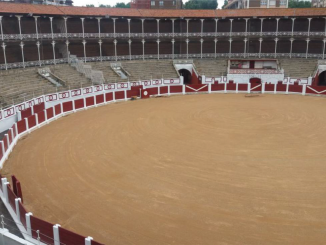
[(39, 107), (31, 121), (26, 113), (41, 116), (281, 87), (19, 191), (90, 101), (231, 86), (79, 103), (119, 95), (49, 112), (22, 212), (14, 184), (175, 89), (99, 98), (5, 142), (11, 198), (192, 88), (21, 126), (45, 228), (9, 136), (295, 88), (70, 238), (108, 97), (242, 87), (57, 109), (1, 153), (316, 90), (164, 90), (269, 87), (67, 106), (217, 87)]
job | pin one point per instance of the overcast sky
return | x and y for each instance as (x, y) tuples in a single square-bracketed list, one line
[(113, 2)]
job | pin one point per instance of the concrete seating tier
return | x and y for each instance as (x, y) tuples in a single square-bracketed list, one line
[(212, 67), (298, 67)]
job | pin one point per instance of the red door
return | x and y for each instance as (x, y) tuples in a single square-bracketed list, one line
[(255, 84)]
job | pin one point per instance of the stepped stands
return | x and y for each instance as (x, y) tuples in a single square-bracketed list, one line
[(211, 68), (71, 76), (150, 68), (298, 67), (108, 73), (22, 84)]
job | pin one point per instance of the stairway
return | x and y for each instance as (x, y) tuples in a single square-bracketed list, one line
[(211, 67), (298, 68)]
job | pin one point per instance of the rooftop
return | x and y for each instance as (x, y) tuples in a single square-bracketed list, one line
[(18, 8)]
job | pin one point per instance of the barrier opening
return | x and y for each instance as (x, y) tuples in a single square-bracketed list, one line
[(186, 75), (322, 79)]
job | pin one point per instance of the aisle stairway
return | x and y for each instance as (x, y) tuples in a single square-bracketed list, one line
[(109, 75)]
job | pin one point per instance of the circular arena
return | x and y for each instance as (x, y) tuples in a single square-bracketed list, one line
[(195, 169)]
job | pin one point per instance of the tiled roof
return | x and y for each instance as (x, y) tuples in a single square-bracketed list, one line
[(15, 8)]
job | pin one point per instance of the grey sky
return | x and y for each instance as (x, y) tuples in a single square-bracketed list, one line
[(113, 2)]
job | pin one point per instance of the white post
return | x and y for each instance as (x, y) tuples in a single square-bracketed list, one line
[(85, 55), (129, 42), (82, 20), (261, 26), (158, 28), (28, 223), (309, 19), (246, 25), (276, 40), (38, 52), (56, 235), (324, 41), (209, 88), (231, 20), (51, 22), (216, 20), (67, 44), (308, 40), (262, 87), (230, 50), (173, 41), (268, 3), (143, 42), (247, 4), (187, 26), (183, 88), (4, 181), (129, 27), (201, 48), (22, 49), (158, 48), (88, 240), (19, 24), (215, 41), (173, 27), (187, 41), (2, 146), (115, 49), (100, 45), (260, 41), (4, 54), (36, 28), (66, 28), (293, 19), (245, 47), (202, 27), (2, 29), (291, 40), (304, 89), (53, 48), (277, 20), (142, 26), (5, 191), (17, 200), (114, 34), (99, 26)]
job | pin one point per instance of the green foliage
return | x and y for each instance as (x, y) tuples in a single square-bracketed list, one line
[(201, 4), (104, 6), (299, 4), (118, 5), (225, 3), (90, 5), (122, 5)]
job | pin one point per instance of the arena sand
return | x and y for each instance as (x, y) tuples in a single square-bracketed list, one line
[(199, 169)]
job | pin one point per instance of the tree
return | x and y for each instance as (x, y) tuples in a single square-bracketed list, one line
[(225, 3), (122, 5), (299, 4), (104, 6), (90, 5), (201, 4)]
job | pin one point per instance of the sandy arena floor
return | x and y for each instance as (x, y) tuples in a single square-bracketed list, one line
[(200, 169)]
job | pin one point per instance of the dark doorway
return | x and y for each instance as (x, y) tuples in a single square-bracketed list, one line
[(322, 79), (186, 75)]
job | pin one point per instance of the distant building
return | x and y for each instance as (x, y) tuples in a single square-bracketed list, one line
[(242, 4), (156, 4), (44, 2), (318, 3)]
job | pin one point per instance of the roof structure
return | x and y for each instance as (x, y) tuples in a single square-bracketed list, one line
[(18, 8)]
